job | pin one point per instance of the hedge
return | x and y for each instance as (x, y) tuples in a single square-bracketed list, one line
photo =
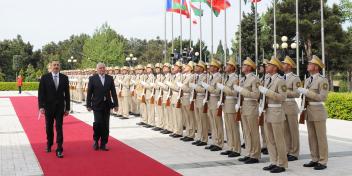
[(339, 106), (8, 86)]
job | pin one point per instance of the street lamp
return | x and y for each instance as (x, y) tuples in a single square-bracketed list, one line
[(285, 46), (72, 61)]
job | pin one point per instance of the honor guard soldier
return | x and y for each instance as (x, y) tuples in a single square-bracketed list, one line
[(166, 121), (315, 92), (275, 92)]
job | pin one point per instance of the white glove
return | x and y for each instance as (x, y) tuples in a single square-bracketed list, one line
[(120, 81), (263, 90), (143, 83), (220, 86), (302, 90), (179, 84), (192, 85), (152, 84), (160, 84), (205, 85), (237, 107), (260, 110), (168, 83), (133, 81), (237, 88)]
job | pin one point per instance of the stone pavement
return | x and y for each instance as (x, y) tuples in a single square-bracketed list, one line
[(17, 157)]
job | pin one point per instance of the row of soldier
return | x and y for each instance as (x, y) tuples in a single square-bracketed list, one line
[(191, 101)]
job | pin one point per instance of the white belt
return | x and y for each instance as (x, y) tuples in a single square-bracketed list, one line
[(274, 105), (214, 95), (290, 99), (231, 97), (185, 94), (316, 103), (200, 94), (250, 99)]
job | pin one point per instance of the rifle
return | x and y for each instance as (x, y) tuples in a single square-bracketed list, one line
[(239, 103), (133, 88), (152, 100), (180, 94), (143, 95), (221, 100), (120, 88), (303, 107), (262, 105), (206, 98), (160, 98), (194, 94)]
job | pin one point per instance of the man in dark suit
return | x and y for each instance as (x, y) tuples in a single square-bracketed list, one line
[(101, 90), (54, 102)]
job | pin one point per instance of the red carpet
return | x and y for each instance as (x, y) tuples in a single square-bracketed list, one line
[(79, 157)]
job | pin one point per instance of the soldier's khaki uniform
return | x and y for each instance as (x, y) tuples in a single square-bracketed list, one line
[(231, 125), (150, 89), (316, 115), (249, 114), (201, 117), (140, 93), (134, 104), (159, 118), (216, 122), (274, 120), (118, 88), (176, 112), (187, 114), (291, 111), (167, 111), (126, 95)]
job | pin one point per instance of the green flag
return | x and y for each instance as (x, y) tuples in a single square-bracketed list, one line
[(197, 11)]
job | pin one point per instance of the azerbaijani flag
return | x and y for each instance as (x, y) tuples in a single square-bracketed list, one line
[(196, 11), (178, 7)]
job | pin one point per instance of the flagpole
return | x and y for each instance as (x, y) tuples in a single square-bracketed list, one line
[(165, 20), (297, 39), (212, 30), (200, 32), (256, 36), (240, 35), (225, 43), (190, 26), (172, 32), (275, 44), (180, 31), (322, 34)]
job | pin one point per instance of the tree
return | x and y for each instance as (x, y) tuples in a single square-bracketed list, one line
[(220, 52), (30, 74), (346, 10), (104, 46)]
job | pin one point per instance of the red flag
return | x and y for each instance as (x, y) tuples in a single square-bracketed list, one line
[(221, 4), (194, 21), (255, 1)]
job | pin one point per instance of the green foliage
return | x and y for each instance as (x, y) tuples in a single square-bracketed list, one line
[(105, 46), (8, 86), (339, 106), (346, 9), (30, 74)]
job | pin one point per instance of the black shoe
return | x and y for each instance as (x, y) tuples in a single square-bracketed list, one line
[(137, 115), (243, 146), (104, 148), (148, 126), (264, 151), (197, 142), (216, 148), (48, 149), (118, 115), (188, 139), (124, 118), (177, 136), (310, 164), (163, 131), (95, 145), (172, 135), (140, 123), (157, 129), (226, 152), (291, 158), (59, 154), (202, 144), (166, 132), (270, 167), (244, 159), (234, 154), (277, 169), (251, 161), (184, 138), (319, 167), (209, 147)]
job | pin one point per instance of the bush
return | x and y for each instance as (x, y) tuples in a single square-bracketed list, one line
[(339, 106), (7, 86)]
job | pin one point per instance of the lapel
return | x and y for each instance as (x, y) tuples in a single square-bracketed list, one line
[(272, 81)]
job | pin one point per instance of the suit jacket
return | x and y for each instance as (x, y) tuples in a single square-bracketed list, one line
[(49, 98), (99, 96)]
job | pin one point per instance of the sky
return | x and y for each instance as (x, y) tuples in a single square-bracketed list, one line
[(42, 21)]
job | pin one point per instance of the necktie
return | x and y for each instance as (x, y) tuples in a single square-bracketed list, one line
[(268, 82), (55, 82), (285, 77), (102, 80)]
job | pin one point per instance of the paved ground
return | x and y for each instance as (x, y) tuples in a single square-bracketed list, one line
[(17, 157)]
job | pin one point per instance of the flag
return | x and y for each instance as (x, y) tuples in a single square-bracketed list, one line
[(194, 21), (178, 7), (196, 11), (255, 1), (222, 4)]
